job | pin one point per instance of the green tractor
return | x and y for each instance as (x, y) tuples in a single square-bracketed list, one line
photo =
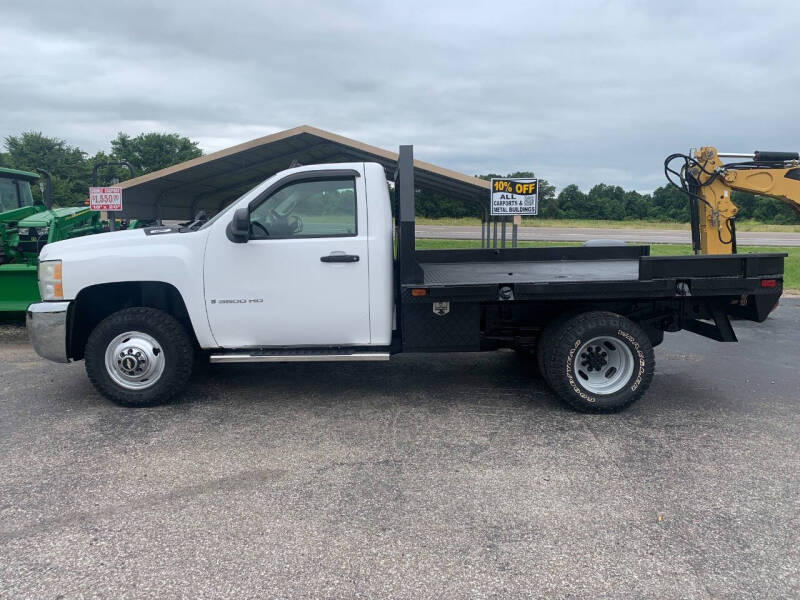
[(26, 227)]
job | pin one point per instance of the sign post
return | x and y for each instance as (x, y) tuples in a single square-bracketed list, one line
[(513, 197), (517, 223)]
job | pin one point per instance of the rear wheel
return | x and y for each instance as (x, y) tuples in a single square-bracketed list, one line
[(599, 362), (139, 357), (545, 344)]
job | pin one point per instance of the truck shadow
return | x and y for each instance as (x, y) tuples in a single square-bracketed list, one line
[(495, 378)]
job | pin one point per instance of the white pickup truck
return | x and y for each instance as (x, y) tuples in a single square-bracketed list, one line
[(306, 267)]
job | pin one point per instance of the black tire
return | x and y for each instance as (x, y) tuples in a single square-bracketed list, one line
[(571, 336), (173, 340), (545, 343)]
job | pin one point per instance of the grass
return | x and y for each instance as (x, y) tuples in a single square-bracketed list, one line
[(743, 225), (791, 277)]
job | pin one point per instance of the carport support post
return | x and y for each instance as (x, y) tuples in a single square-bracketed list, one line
[(514, 228), (488, 229)]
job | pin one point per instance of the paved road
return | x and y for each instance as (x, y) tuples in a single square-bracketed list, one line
[(580, 234), (429, 476)]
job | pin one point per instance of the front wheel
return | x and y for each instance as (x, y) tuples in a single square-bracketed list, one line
[(599, 362), (139, 357)]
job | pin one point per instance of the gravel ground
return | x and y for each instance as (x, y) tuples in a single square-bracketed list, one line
[(429, 476)]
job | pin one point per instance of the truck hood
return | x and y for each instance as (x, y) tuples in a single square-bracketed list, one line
[(100, 243)]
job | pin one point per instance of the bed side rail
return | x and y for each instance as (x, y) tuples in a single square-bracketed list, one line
[(533, 254), (742, 266)]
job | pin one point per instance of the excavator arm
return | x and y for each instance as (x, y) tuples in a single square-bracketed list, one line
[(709, 183)]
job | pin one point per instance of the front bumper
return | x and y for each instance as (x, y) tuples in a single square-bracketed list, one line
[(47, 329)]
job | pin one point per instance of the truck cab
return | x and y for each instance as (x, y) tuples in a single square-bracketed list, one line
[(16, 203), (315, 268), (307, 266)]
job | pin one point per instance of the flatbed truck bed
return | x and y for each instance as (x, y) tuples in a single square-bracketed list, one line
[(526, 299), (597, 272)]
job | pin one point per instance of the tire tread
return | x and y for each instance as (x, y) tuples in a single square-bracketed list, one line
[(180, 359), (574, 328)]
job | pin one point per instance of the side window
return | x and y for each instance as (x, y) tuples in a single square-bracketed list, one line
[(8, 195), (311, 208), (25, 196)]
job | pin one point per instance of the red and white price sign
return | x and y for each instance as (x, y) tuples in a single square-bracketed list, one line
[(105, 198)]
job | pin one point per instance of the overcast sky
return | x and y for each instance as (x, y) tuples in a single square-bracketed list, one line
[(579, 92)]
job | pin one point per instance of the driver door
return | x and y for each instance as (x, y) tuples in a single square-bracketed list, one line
[(302, 277)]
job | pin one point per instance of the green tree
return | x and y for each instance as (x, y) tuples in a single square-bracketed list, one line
[(771, 210), (108, 175), (67, 164), (149, 152), (746, 203), (669, 204), (548, 201), (574, 204), (636, 205), (606, 202), (435, 206)]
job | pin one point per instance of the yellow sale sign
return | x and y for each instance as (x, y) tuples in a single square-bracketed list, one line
[(515, 196)]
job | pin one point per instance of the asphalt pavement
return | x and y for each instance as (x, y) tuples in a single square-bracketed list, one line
[(581, 234), (435, 476)]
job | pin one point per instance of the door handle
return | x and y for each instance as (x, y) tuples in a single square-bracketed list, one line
[(343, 258)]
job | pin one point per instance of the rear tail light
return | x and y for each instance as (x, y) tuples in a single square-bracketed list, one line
[(769, 283)]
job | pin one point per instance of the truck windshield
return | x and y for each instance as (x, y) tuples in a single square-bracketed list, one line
[(220, 213)]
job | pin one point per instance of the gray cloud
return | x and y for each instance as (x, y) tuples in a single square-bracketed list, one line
[(576, 91)]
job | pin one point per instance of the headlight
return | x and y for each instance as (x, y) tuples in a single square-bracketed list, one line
[(50, 287), (22, 231), (42, 231)]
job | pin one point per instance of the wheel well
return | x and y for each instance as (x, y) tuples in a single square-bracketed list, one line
[(97, 302), (521, 324)]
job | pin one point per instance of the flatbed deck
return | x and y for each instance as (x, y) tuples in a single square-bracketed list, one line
[(478, 273), (630, 269), (565, 274), (528, 270)]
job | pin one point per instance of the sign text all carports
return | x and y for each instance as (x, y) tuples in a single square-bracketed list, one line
[(515, 196)]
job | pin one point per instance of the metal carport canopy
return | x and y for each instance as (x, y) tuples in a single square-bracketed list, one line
[(212, 181)]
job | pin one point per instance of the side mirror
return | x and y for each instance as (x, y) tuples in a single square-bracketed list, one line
[(238, 229)]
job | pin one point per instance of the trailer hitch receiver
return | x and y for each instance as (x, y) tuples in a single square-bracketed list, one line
[(506, 292)]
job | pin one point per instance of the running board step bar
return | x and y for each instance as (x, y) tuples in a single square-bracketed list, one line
[(298, 356)]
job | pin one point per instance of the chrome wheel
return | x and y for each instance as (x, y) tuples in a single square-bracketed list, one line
[(134, 360), (603, 365)]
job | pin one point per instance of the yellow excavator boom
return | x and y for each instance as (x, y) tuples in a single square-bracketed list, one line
[(709, 183)]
